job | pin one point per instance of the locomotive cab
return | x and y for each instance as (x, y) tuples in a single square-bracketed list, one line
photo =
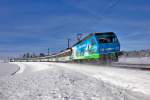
[(109, 46)]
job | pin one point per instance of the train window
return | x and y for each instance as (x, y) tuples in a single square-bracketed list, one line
[(108, 39)]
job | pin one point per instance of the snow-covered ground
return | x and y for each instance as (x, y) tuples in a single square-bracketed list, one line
[(142, 60), (7, 69), (30, 67), (61, 81), (137, 80)]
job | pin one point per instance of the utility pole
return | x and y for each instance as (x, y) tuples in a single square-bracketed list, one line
[(69, 43), (48, 51)]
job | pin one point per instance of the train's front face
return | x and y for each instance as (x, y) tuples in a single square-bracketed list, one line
[(108, 42)]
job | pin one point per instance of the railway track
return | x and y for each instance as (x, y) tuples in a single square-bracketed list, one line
[(131, 66)]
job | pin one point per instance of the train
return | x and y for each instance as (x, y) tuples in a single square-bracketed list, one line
[(97, 47)]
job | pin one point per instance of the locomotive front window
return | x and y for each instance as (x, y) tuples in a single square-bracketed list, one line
[(106, 38), (109, 39)]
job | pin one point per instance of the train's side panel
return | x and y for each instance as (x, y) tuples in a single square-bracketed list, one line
[(64, 59), (87, 49)]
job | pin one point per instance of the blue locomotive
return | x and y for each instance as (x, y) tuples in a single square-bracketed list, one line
[(97, 46)]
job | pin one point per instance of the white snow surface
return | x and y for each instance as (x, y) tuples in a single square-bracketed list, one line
[(63, 81), (28, 67), (7, 69), (135, 60), (136, 80)]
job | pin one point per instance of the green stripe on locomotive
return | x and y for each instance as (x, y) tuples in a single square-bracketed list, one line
[(91, 56)]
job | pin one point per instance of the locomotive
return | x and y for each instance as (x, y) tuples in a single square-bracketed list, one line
[(96, 47)]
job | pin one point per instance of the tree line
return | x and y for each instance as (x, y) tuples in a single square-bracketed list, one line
[(31, 55)]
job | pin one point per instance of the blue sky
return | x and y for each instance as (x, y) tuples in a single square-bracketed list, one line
[(35, 25)]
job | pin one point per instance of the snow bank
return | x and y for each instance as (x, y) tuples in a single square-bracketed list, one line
[(7, 69), (142, 60), (29, 67)]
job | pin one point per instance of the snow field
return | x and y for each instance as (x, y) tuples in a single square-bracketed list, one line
[(56, 84), (134, 80), (60, 81)]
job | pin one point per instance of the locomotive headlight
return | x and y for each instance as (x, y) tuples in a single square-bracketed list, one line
[(109, 48)]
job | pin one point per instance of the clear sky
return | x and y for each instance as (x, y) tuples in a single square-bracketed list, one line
[(35, 25)]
